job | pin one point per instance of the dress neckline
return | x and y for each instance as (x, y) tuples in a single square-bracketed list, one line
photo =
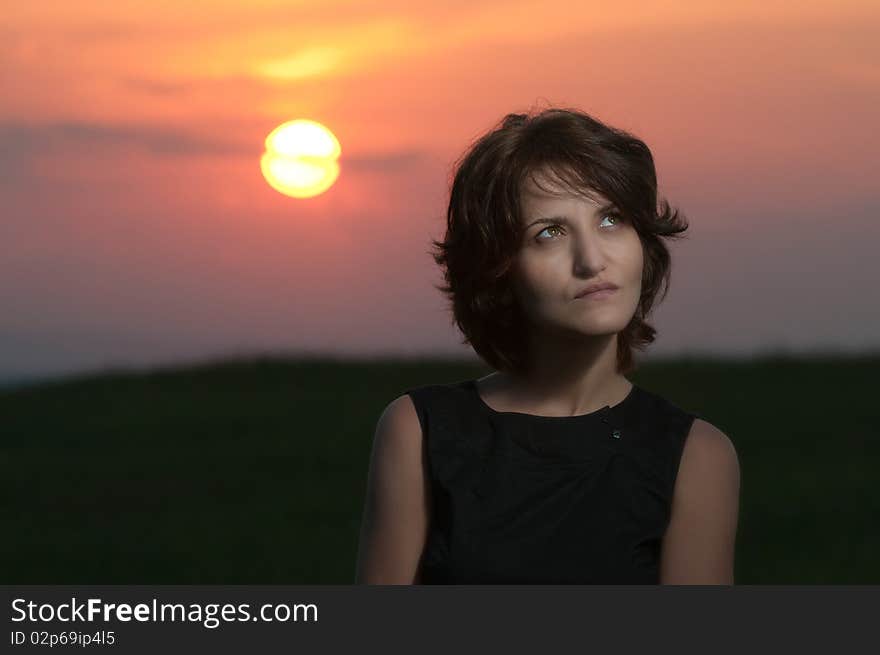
[(630, 396)]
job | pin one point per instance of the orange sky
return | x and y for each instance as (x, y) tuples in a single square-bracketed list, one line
[(137, 225)]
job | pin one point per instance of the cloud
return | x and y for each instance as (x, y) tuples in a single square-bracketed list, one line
[(384, 162), (22, 143), (21, 140)]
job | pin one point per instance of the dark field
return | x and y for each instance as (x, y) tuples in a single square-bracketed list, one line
[(255, 471)]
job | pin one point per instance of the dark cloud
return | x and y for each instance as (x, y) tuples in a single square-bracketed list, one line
[(384, 162), (21, 140), (21, 143)]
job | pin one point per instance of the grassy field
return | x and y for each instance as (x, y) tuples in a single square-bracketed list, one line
[(254, 471)]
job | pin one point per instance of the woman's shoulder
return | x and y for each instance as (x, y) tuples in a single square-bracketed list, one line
[(697, 433), (707, 443), (398, 425), (435, 396), (658, 404), (434, 388), (413, 407)]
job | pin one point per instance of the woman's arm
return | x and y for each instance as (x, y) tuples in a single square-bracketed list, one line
[(698, 547), (396, 510)]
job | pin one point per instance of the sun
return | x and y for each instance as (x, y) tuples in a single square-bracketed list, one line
[(300, 160)]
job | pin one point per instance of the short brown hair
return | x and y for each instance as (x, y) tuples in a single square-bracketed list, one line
[(484, 223)]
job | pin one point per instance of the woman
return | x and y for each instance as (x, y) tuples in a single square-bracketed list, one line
[(555, 468)]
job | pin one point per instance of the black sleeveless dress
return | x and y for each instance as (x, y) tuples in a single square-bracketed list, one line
[(528, 499)]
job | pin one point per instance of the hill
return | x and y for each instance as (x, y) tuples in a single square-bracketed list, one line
[(254, 471)]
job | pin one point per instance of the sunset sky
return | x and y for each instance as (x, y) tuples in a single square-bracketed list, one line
[(137, 227)]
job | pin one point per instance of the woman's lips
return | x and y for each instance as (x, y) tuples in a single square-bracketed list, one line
[(597, 295)]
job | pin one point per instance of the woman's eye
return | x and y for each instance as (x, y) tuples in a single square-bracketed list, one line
[(557, 227), (551, 227)]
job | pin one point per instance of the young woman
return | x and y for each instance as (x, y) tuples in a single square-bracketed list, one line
[(555, 468)]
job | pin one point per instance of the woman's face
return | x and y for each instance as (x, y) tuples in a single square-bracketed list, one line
[(582, 245)]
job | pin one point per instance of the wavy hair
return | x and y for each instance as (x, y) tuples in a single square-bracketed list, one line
[(484, 223)]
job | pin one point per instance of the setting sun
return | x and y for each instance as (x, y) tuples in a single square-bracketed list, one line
[(301, 158)]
